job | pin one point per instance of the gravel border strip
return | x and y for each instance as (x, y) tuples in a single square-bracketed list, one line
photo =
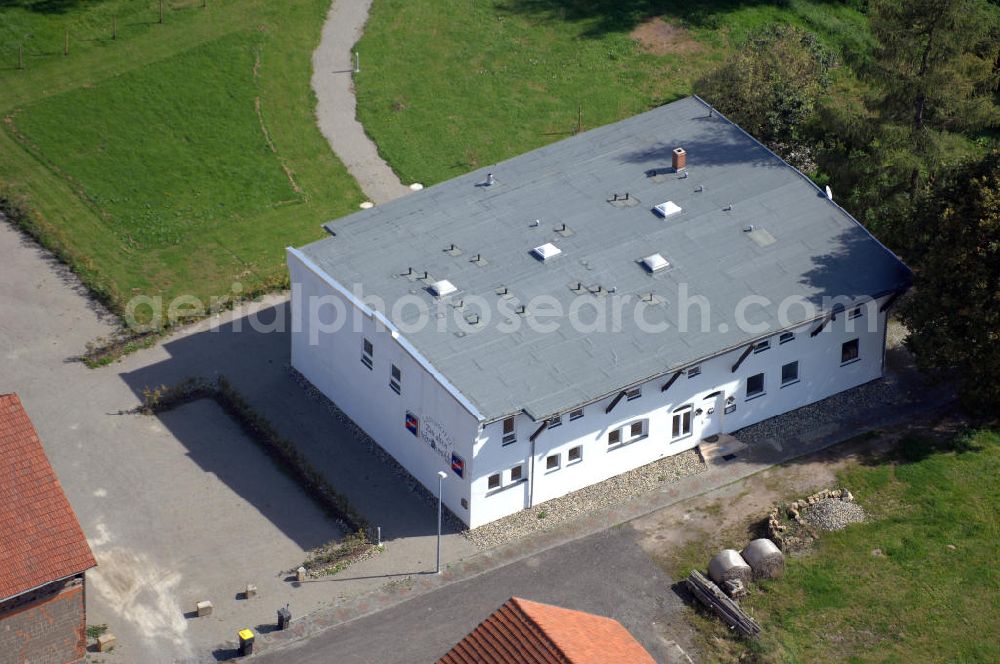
[(613, 491)]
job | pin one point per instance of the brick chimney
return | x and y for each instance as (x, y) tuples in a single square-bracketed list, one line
[(679, 158)]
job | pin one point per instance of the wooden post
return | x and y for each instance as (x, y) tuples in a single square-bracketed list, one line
[(66, 43), (20, 56), (114, 27), (579, 118), (161, 11)]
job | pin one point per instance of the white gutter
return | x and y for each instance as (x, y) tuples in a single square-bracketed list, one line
[(393, 330)]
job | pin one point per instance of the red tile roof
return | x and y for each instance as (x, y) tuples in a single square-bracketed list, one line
[(40, 538), (526, 632)]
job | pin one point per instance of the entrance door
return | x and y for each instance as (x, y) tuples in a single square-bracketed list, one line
[(712, 407)]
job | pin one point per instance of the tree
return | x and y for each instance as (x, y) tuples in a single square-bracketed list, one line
[(770, 86), (954, 250), (934, 64)]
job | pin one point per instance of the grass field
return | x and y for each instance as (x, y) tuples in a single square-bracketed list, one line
[(182, 157), (917, 583), (451, 85), (178, 158)]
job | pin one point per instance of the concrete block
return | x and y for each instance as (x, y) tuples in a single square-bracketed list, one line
[(106, 642), (251, 591), (204, 608)]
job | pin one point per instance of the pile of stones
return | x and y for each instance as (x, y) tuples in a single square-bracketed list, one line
[(830, 509)]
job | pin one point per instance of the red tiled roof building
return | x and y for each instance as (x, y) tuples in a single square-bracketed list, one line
[(526, 632), (43, 553)]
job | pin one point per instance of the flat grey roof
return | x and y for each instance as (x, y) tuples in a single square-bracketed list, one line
[(802, 244)]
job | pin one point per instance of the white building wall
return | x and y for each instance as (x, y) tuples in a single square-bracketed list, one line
[(331, 361), (821, 374)]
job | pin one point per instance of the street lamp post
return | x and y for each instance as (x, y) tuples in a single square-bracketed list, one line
[(441, 477)]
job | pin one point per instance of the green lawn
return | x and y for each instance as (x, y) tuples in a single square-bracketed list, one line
[(451, 85), (917, 583), (184, 156), (177, 159)]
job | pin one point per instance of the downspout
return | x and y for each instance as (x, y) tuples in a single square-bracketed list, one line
[(531, 477)]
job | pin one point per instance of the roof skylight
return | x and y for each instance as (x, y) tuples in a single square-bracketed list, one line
[(546, 251), (655, 263), (667, 209), (442, 288)]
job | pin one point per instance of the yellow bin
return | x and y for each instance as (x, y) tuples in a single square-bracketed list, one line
[(246, 642)]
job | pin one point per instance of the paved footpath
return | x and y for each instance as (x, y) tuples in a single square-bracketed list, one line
[(607, 574), (501, 565), (183, 507), (336, 108)]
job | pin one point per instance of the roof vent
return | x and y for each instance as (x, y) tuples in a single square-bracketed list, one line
[(667, 209), (442, 288), (679, 159), (655, 263), (546, 251)]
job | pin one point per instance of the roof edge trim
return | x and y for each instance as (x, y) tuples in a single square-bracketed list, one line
[(393, 330), (809, 180), (681, 367)]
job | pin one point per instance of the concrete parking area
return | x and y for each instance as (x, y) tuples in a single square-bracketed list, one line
[(606, 574), (183, 507)]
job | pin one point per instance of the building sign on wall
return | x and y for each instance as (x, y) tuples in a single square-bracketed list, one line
[(412, 423), (433, 433), (458, 465)]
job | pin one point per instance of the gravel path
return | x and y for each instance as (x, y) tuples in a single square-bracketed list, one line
[(817, 417), (833, 514), (336, 107), (614, 491)]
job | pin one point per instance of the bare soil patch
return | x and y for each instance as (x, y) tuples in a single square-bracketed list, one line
[(658, 37), (731, 516)]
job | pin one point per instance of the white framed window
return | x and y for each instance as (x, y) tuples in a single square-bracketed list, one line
[(694, 371), (575, 454), (493, 481), (636, 430), (575, 414), (790, 373), (849, 351), (395, 379), (681, 422), (552, 462), (509, 434), (614, 437), (755, 385), (516, 473), (786, 337), (633, 394), (554, 422), (856, 312), (762, 346), (367, 354)]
